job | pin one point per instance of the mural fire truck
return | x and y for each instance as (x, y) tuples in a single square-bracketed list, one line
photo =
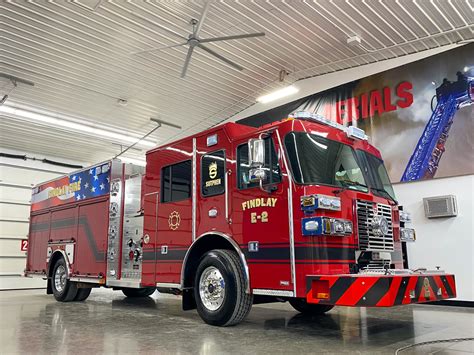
[(450, 96), (300, 210)]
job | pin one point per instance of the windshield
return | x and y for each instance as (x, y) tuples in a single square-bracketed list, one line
[(379, 180), (317, 160)]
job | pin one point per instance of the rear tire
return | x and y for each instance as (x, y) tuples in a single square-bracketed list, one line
[(219, 289), (82, 294), (63, 289), (304, 307), (139, 292)]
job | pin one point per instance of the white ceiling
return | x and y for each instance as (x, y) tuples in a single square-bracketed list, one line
[(79, 59)]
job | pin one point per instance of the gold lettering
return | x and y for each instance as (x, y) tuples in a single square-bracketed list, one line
[(253, 217), (66, 189), (254, 203), (215, 182)]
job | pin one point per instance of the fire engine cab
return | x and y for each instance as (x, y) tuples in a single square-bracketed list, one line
[(300, 210)]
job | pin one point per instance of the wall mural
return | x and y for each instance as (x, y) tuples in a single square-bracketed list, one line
[(420, 115)]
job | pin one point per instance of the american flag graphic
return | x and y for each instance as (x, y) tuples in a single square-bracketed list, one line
[(77, 186), (93, 182)]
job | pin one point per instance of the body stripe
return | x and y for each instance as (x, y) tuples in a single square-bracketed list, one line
[(338, 289), (402, 290), (380, 291), (389, 299), (377, 290), (357, 290)]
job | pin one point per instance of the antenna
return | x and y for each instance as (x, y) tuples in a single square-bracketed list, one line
[(159, 124)]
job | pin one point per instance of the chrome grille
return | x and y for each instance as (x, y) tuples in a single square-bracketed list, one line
[(368, 240)]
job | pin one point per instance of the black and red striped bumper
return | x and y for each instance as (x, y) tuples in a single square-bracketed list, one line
[(379, 290)]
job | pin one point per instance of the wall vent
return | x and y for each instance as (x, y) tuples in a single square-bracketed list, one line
[(440, 206)]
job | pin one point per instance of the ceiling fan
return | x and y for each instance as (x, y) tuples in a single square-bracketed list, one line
[(194, 41)]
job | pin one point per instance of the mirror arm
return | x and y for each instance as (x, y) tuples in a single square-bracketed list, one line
[(269, 190), (266, 134)]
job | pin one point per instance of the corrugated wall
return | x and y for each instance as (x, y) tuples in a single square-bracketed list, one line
[(16, 180)]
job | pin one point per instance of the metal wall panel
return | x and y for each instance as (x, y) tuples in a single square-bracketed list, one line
[(17, 177)]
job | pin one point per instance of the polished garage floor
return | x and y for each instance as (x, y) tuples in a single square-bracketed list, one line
[(32, 322)]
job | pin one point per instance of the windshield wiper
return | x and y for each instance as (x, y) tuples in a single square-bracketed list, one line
[(385, 193)]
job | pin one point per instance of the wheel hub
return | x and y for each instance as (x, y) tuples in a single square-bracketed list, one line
[(60, 278), (212, 288)]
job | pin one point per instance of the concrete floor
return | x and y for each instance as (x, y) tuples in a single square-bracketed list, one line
[(32, 322)]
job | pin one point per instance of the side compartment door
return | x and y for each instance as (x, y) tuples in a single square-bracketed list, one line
[(38, 242), (261, 220)]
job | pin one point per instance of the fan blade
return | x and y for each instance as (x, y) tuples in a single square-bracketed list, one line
[(186, 62), (217, 55), (248, 35), (159, 48), (203, 16)]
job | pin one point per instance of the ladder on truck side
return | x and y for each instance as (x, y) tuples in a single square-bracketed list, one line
[(430, 147)]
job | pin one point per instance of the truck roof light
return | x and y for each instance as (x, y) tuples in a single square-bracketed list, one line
[(354, 132), (351, 131), (211, 140)]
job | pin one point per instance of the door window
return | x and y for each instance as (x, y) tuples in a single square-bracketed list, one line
[(213, 173), (271, 167), (176, 182)]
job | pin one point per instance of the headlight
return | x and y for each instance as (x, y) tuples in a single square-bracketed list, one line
[(338, 226), (326, 226), (405, 217), (311, 225), (407, 235), (348, 227)]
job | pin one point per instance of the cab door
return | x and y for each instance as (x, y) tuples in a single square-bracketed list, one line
[(213, 210), (261, 219)]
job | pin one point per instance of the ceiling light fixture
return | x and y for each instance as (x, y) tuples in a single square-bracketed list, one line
[(63, 122), (287, 91)]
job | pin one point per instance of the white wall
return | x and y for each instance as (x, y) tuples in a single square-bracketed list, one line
[(16, 180), (444, 242)]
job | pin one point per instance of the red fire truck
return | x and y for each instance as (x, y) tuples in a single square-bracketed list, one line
[(300, 210)]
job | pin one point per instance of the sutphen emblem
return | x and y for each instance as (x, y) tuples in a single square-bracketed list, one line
[(213, 170), (174, 220), (380, 226)]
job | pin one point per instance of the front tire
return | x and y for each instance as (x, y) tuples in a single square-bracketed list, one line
[(63, 289), (304, 307), (138, 292), (219, 289)]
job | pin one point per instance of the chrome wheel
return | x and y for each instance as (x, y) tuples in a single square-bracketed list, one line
[(60, 278), (212, 288)]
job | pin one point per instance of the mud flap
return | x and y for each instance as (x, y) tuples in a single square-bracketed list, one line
[(189, 302)]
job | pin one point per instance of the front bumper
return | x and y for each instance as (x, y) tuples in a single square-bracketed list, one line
[(368, 290)]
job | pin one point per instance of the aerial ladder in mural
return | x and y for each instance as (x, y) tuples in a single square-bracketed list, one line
[(450, 96)]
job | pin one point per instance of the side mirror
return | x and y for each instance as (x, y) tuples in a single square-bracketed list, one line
[(256, 153), (256, 160)]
